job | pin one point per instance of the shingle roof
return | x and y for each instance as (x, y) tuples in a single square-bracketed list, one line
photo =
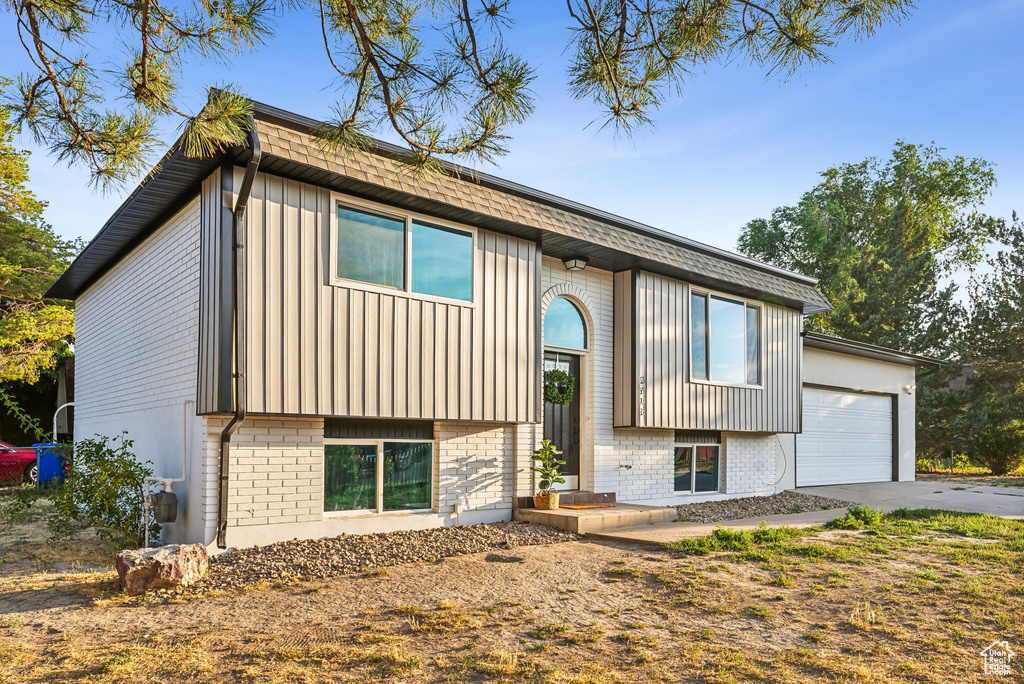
[(561, 226)]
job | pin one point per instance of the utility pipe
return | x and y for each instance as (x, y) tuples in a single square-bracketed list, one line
[(238, 266), (57, 413), (166, 482)]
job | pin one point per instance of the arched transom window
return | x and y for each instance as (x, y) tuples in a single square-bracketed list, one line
[(564, 326)]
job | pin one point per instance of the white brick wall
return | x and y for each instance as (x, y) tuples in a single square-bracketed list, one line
[(136, 342), (749, 463), (475, 469), (137, 327), (276, 481), (276, 473)]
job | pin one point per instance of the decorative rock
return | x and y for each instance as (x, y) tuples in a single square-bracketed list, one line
[(165, 567), (754, 506), (351, 553)]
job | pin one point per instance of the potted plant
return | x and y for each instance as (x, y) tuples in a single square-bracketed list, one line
[(547, 469)]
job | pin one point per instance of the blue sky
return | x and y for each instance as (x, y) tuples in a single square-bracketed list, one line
[(732, 147)]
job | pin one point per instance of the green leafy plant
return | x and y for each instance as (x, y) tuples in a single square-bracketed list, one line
[(548, 466), (858, 518), (559, 386), (103, 489), (440, 76)]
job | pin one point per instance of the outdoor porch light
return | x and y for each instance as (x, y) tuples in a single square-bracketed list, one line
[(575, 263)]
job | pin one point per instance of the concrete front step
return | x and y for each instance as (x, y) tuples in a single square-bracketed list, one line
[(573, 497), (590, 520)]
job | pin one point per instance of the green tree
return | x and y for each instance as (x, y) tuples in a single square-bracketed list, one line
[(883, 238), (32, 329), (990, 423), (438, 73)]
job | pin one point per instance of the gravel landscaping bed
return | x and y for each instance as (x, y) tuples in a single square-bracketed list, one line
[(307, 559), (753, 506)]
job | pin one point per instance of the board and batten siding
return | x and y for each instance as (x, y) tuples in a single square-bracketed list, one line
[(320, 349), (652, 386), (211, 250)]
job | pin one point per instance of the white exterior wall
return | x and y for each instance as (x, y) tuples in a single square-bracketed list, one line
[(276, 477), (847, 372), (635, 464), (136, 344), (749, 462), (475, 468)]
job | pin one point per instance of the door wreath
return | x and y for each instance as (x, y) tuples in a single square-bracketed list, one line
[(559, 386)]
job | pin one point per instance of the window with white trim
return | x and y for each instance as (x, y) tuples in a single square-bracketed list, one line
[(696, 468), (399, 252), (725, 340), (376, 476)]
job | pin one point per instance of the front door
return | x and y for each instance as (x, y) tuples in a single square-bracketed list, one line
[(562, 421)]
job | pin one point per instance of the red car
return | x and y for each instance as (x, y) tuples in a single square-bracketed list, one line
[(17, 464)]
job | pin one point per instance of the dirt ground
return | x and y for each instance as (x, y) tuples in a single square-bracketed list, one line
[(833, 605)]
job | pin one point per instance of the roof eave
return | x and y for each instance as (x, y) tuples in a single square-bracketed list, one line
[(870, 351)]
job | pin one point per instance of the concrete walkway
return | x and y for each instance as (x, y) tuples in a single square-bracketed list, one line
[(885, 495)]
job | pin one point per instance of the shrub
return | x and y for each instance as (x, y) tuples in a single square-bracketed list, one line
[(1000, 446), (858, 518), (103, 489)]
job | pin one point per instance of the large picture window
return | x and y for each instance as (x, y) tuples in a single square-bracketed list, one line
[(696, 468), (725, 340), (378, 476), (399, 252)]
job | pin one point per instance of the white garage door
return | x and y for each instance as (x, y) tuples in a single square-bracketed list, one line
[(847, 438)]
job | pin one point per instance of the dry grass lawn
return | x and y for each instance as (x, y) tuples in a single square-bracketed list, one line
[(906, 599)]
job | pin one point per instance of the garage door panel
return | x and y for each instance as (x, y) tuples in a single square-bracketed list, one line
[(847, 438)]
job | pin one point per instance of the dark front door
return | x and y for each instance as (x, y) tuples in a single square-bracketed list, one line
[(562, 421)]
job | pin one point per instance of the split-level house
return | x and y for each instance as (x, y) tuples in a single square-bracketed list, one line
[(309, 344)]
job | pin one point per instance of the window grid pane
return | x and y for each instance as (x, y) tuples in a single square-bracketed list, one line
[(442, 261), (705, 478), (753, 345), (371, 248), (728, 357), (683, 461), (407, 475), (699, 336), (350, 477)]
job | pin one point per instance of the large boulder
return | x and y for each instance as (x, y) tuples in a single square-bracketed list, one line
[(165, 567)]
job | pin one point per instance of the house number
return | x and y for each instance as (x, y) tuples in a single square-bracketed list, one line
[(642, 402)]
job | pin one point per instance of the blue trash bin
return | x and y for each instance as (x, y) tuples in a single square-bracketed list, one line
[(49, 458)]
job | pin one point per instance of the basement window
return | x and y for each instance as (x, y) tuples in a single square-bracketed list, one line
[(696, 468), (378, 476)]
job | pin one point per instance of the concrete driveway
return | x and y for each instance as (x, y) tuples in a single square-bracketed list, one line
[(951, 496), (888, 496)]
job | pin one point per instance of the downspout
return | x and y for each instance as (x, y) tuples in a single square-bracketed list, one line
[(239, 316)]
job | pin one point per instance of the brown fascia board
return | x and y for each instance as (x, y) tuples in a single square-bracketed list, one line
[(842, 345)]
